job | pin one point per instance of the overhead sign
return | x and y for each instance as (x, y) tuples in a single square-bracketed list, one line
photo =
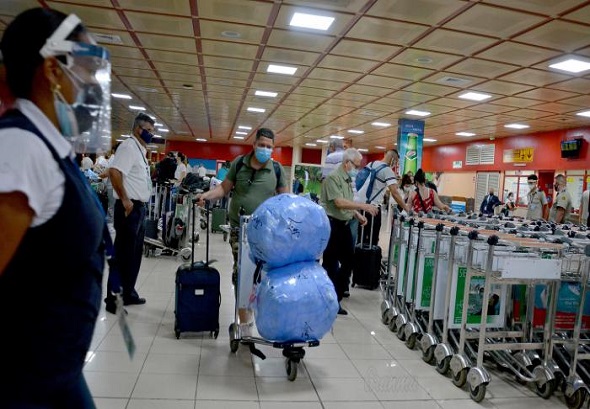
[(518, 155)]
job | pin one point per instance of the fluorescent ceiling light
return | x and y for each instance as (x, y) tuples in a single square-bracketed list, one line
[(244, 127), (383, 124), (238, 137), (516, 126), (241, 133), (474, 96), (163, 130), (465, 134), (157, 136), (311, 144), (153, 117), (121, 96), (281, 69), (379, 147), (266, 94), (362, 150), (321, 141), (252, 109), (356, 131), (584, 113), (125, 136), (311, 21), (201, 140), (429, 140), (417, 113), (158, 124), (336, 137), (136, 108), (572, 65)]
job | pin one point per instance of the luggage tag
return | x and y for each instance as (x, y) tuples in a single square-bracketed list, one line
[(125, 330)]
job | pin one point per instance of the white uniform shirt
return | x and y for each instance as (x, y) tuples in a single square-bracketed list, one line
[(202, 171), (27, 166), (132, 163), (180, 167), (584, 207), (537, 200)]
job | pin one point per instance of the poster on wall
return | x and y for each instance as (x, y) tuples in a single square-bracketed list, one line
[(410, 133), (307, 180)]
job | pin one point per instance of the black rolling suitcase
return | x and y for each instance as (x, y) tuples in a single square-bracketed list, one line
[(366, 265), (198, 294)]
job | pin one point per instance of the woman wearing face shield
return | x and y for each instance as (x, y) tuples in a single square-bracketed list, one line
[(52, 252)]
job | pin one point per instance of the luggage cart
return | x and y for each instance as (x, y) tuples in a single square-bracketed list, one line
[(248, 274), (500, 343), (387, 285)]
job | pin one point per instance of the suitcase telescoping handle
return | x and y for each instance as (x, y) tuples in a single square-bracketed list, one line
[(363, 230), (194, 210)]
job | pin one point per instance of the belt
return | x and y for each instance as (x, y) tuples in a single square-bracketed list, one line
[(335, 220)]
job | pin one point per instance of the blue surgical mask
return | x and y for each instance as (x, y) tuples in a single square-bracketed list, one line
[(352, 173), (146, 136), (66, 116), (262, 154)]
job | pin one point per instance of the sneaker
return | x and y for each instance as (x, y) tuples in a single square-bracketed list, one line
[(346, 294), (342, 311), (134, 301)]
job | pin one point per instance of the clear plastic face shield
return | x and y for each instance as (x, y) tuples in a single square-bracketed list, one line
[(87, 122)]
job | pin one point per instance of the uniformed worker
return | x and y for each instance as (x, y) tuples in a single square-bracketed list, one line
[(562, 205)]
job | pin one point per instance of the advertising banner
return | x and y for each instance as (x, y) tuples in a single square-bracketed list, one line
[(410, 133)]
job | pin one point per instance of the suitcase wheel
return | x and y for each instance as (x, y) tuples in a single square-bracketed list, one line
[(224, 236), (186, 253), (177, 333), (291, 367), (214, 334)]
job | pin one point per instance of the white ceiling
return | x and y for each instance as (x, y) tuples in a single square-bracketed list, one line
[(178, 59)]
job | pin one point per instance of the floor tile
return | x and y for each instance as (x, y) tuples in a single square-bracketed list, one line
[(165, 386), (109, 361), (226, 388), (226, 404), (110, 384), (365, 351), (353, 405), (172, 364), (281, 389), (110, 403), (160, 404), (331, 368), (341, 389)]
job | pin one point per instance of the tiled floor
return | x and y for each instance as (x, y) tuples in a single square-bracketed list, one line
[(359, 365)]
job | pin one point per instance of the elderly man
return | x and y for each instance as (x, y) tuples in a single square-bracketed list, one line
[(562, 204), (337, 199)]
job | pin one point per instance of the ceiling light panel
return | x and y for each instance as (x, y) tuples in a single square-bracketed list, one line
[(281, 69), (474, 96), (311, 21)]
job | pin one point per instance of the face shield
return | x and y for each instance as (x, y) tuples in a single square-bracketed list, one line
[(87, 122)]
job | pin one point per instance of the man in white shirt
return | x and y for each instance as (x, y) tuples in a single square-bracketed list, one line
[(132, 188), (536, 199), (584, 219), (202, 171), (333, 158), (385, 178)]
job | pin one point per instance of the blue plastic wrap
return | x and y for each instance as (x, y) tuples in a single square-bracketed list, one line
[(287, 229), (295, 303)]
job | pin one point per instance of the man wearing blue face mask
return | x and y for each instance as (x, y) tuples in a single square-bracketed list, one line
[(132, 188), (253, 178), (337, 199)]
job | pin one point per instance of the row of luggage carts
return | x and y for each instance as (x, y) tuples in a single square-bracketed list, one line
[(477, 293)]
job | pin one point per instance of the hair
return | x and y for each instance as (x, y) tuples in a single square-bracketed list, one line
[(182, 156), (265, 133), (140, 119), (532, 177), (406, 180), (23, 39), (560, 179), (395, 152), (420, 177), (336, 144), (351, 154)]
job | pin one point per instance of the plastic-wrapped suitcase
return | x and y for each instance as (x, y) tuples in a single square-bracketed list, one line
[(366, 266), (198, 294)]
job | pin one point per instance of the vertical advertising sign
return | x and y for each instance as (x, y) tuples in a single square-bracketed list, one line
[(410, 133)]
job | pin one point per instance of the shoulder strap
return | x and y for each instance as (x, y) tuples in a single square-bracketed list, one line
[(275, 165), (374, 172)]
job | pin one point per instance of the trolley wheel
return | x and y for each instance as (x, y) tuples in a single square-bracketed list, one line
[(411, 341), (203, 224), (185, 253), (546, 390), (576, 400), (234, 343), (477, 393), (291, 367), (428, 355), (401, 333), (224, 236), (444, 365), (177, 333), (392, 326), (384, 318), (460, 378), (214, 334)]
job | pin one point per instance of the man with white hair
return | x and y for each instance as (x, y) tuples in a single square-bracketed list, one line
[(337, 199), (562, 205)]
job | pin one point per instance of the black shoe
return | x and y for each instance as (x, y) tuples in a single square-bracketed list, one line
[(346, 294), (342, 311), (134, 301), (111, 306)]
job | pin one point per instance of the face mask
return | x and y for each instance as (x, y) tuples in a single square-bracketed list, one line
[(532, 185), (262, 154), (146, 136), (66, 117)]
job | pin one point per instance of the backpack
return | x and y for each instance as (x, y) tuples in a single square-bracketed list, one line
[(370, 173), (275, 165)]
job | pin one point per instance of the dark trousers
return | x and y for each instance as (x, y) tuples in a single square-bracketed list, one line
[(365, 232), (76, 395), (130, 232), (337, 258)]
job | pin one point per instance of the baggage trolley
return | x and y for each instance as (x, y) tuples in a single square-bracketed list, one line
[(248, 275)]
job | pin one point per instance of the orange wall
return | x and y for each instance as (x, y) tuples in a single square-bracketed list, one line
[(546, 155), (222, 151)]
